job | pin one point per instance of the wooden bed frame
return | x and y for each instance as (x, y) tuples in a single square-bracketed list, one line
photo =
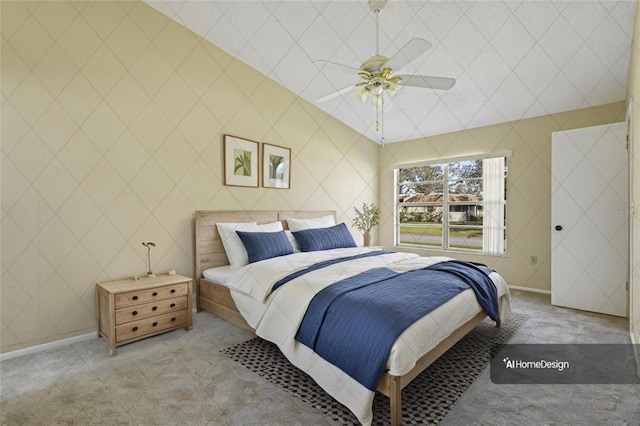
[(216, 298)]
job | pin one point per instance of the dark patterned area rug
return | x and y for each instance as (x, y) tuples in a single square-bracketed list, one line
[(426, 400)]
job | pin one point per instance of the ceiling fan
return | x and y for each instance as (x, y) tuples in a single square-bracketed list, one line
[(378, 72)]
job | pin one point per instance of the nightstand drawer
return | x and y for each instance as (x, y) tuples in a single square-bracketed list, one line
[(149, 295), (148, 326), (155, 308)]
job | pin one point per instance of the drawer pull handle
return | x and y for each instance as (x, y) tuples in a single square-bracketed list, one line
[(155, 293), (173, 319), (135, 297), (134, 313), (154, 324), (154, 308), (172, 305), (134, 329), (173, 290)]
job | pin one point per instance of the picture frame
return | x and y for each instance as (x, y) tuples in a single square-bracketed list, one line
[(276, 166), (241, 162)]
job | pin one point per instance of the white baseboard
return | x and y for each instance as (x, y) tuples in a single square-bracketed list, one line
[(529, 289), (51, 345), (46, 346)]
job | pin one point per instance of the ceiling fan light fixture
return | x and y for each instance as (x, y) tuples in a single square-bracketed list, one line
[(363, 93), (377, 99), (377, 86), (391, 89)]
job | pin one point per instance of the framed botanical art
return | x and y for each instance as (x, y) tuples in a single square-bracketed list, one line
[(276, 166), (240, 161)]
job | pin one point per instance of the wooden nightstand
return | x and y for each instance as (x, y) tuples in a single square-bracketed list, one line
[(128, 310)]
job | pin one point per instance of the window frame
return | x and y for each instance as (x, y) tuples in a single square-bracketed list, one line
[(446, 225)]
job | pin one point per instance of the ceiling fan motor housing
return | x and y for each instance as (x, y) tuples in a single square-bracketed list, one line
[(374, 63)]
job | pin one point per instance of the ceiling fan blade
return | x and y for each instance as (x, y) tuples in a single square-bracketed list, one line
[(429, 82), (410, 51), (336, 65), (335, 94)]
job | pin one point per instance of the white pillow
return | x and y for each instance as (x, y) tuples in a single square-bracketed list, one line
[(293, 241), (236, 253), (317, 222)]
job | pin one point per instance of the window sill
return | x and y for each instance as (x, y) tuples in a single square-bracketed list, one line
[(441, 250)]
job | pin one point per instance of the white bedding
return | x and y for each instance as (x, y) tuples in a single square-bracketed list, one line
[(220, 274), (276, 316)]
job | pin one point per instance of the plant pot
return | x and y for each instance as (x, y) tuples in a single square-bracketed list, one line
[(367, 238)]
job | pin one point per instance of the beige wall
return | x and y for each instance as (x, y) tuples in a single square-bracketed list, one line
[(528, 184), (112, 116), (633, 92)]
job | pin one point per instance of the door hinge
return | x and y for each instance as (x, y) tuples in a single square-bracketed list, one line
[(626, 285), (627, 141)]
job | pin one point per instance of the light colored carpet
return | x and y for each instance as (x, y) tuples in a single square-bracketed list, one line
[(485, 403), (182, 378)]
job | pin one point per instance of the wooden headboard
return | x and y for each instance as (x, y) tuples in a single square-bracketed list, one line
[(209, 249)]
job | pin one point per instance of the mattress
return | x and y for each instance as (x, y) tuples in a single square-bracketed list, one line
[(220, 275), (253, 309)]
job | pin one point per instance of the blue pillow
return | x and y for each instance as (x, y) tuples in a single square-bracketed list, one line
[(265, 245), (324, 238)]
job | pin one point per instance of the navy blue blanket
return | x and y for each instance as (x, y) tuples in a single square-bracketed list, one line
[(354, 323), (476, 276)]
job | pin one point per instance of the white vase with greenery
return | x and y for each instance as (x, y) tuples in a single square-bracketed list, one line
[(366, 219)]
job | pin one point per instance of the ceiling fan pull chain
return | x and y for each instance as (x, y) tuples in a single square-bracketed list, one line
[(382, 114)]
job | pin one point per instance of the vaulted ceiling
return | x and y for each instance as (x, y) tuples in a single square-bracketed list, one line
[(511, 60)]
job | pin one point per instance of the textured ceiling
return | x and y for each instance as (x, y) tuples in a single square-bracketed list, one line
[(512, 60)]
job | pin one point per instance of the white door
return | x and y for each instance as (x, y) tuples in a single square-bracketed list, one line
[(589, 241)]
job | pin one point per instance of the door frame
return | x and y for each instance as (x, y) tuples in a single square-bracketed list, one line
[(635, 336)]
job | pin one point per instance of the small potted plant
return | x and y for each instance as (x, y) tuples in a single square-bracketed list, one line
[(366, 219)]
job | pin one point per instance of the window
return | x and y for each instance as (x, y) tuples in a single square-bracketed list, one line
[(456, 204)]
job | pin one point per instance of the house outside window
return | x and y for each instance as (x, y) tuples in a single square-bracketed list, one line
[(455, 204)]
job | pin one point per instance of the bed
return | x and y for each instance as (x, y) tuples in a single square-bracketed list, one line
[(224, 295)]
